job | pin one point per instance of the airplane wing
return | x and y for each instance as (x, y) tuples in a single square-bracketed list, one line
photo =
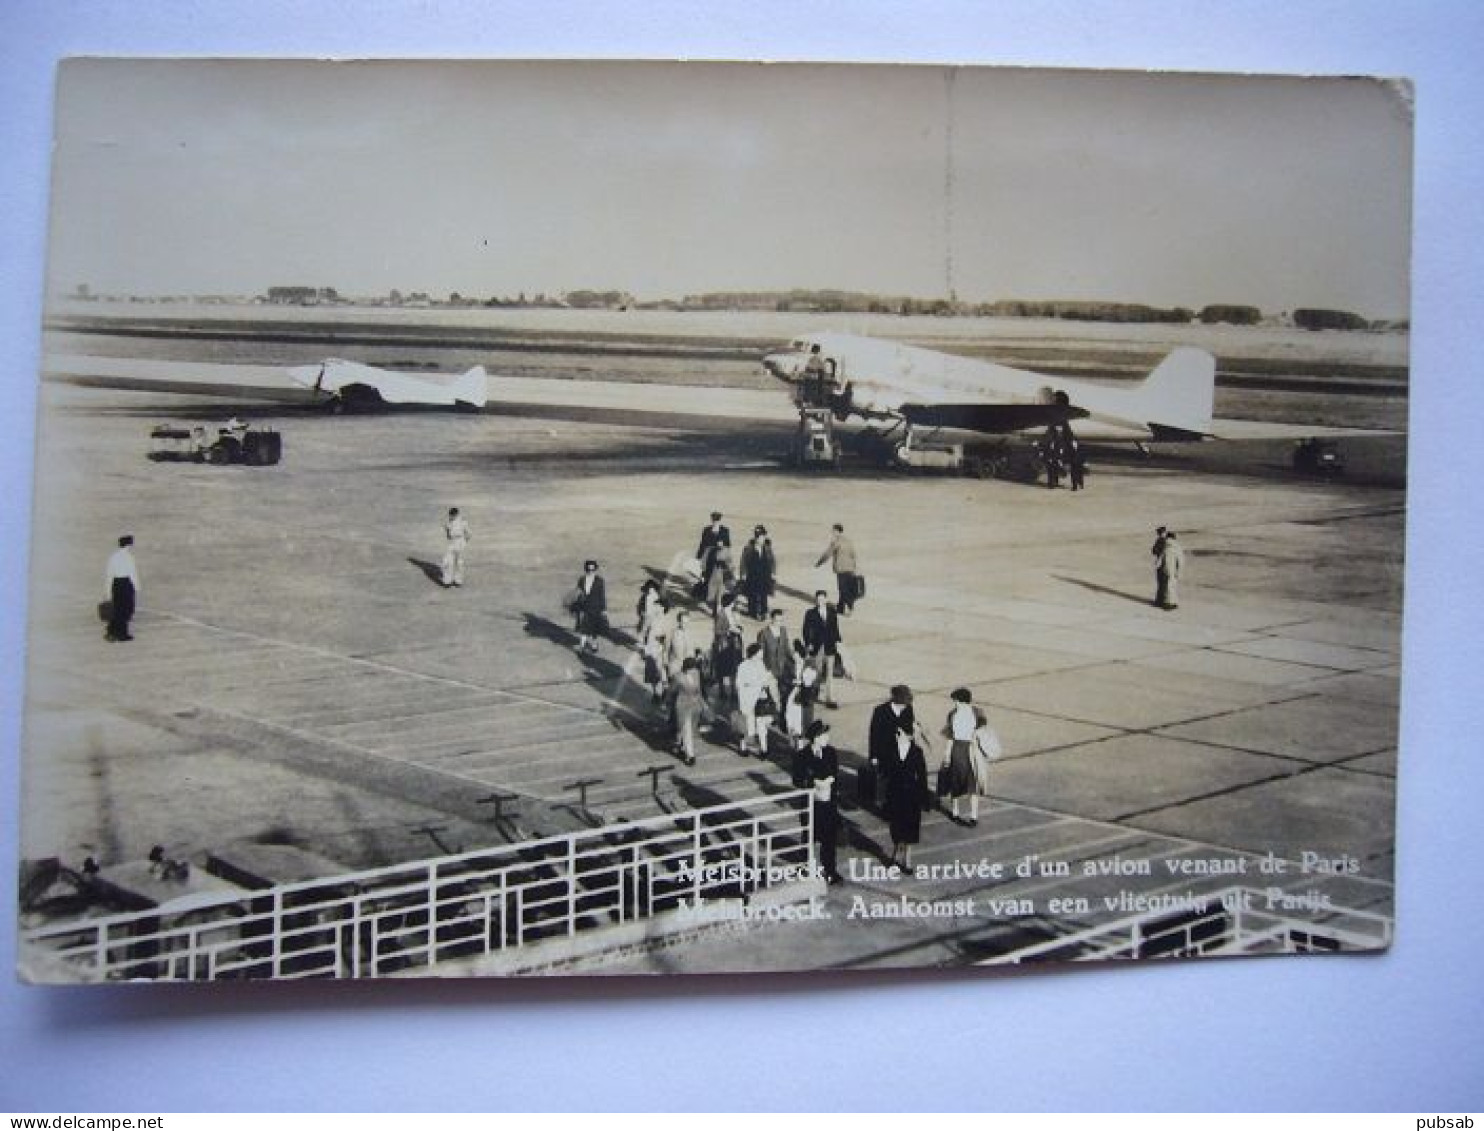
[(993, 418), (1230, 429), (360, 385)]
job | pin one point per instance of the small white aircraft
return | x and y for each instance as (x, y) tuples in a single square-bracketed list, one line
[(930, 391), (349, 386)]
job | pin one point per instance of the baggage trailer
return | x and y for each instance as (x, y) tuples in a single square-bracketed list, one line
[(233, 443)]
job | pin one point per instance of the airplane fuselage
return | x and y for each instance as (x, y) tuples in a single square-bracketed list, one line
[(885, 380)]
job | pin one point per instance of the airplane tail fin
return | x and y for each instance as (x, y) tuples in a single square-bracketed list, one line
[(472, 388), (1180, 393)]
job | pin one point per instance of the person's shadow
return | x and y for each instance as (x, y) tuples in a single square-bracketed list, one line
[(1096, 588), (432, 570)]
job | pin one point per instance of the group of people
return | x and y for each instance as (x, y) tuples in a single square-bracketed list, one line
[(773, 681), (769, 685), (757, 681), (897, 782), (1061, 452), (897, 753)]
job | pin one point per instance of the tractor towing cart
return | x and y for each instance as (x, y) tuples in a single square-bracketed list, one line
[(233, 442)]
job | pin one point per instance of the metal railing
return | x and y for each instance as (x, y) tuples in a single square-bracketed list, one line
[(488, 901), (1230, 921)]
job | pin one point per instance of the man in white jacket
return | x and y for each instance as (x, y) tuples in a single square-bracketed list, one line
[(456, 533), (121, 588), (754, 680)]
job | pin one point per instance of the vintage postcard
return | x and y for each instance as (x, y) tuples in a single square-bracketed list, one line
[(509, 518)]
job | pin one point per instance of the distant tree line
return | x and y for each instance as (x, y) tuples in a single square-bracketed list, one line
[(1091, 311), (829, 301), (1236, 315), (303, 296), (1329, 320)]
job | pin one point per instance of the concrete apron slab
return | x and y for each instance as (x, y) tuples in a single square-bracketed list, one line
[(335, 689)]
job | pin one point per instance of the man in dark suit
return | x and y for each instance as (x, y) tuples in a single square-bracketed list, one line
[(821, 643), (886, 720), (712, 536)]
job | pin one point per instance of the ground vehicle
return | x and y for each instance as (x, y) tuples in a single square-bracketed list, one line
[(233, 442), (816, 445), (1318, 457)]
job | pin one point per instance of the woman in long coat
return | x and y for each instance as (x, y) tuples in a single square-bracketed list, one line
[(590, 607), (824, 771), (906, 791), (726, 646), (758, 570), (690, 709)]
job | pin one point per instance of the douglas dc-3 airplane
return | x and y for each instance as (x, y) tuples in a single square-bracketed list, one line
[(928, 392), (349, 386)]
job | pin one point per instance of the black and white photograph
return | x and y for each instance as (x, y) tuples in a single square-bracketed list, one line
[(504, 518)]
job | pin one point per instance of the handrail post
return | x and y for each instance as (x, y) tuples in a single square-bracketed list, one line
[(696, 858), (276, 932), (572, 881), (811, 856), (432, 903), (504, 903)]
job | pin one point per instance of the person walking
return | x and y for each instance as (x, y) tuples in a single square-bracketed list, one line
[(778, 651), (726, 645), (689, 708), (759, 570), (712, 536), (881, 741), (590, 607), (822, 644), (1076, 460), (757, 699), (824, 772), (719, 582), (652, 653), (649, 611), (906, 797), (798, 705), (1051, 457), (840, 553), (681, 646), (1161, 579), (1171, 566), (964, 723), (121, 589), (456, 535)]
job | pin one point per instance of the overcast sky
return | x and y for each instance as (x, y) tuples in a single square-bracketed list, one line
[(209, 177)]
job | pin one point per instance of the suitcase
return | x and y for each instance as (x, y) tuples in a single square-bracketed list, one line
[(865, 786), (737, 723), (261, 449)]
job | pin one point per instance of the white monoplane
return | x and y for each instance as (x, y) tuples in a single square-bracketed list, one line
[(349, 386)]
